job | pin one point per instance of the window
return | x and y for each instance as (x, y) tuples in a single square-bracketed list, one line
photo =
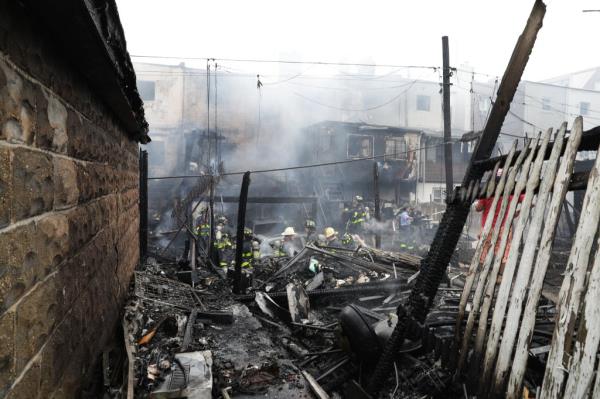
[(395, 148), (438, 194), (333, 191), (360, 146), (546, 104), (146, 88), (584, 108), (435, 151), (423, 103)]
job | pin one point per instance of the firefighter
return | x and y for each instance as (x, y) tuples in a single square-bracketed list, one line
[(404, 230), (247, 250), (255, 250), (348, 241), (203, 229), (288, 245), (331, 237), (278, 251), (223, 246), (358, 216), (310, 228)]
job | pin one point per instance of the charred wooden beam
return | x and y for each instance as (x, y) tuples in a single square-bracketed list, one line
[(239, 242), (590, 141), (377, 202)]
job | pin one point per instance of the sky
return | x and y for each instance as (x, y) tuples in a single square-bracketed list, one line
[(482, 33)]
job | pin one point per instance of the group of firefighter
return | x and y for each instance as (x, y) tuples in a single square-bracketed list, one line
[(355, 216)]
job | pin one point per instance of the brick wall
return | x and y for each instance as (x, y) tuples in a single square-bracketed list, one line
[(68, 219)]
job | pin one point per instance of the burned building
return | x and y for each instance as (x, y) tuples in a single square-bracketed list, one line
[(409, 163), (71, 120)]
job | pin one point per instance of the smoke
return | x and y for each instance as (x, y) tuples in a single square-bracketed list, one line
[(254, 126)]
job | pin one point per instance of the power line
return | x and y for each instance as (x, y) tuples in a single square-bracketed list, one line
[(285, 61), (357, 110)]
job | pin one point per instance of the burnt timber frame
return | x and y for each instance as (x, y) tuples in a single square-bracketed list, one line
[(433, 266)]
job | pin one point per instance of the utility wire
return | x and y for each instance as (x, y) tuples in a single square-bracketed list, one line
[(285, 61), (357, 110)]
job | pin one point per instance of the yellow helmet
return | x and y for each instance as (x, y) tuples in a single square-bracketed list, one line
[(329, 232)]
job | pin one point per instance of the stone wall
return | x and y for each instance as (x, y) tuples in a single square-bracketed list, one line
[(68, 219)]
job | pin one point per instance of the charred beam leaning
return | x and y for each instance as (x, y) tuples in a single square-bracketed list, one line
[(434, 264), (377, 202), (446, 110), (239, 242)]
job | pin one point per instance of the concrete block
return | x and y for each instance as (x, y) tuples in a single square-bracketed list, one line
[(17, 101), (57, 117), (58, 354), (7, 347), (44, 132), (36, 316), (32, 185), (29, 384), (66, 190), (5, 187), (29, 253), (77, 134), (52, 241), (16, 256)]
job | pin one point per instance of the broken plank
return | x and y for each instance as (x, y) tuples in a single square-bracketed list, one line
[(314, 386), (581, 373)]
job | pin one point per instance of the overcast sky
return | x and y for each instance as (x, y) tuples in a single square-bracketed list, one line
[(482, 33)]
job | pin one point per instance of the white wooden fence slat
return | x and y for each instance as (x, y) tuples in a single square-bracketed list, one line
[(485, 268), (513, 256), (519, 361), (492, 280), (570, 292)]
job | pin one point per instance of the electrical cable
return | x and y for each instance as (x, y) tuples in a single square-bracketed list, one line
[(357, 110), (285, 61)]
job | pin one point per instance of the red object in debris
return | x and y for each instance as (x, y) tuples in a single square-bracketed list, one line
[(485, 205)]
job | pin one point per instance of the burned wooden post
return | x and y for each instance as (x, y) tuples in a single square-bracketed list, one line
[(433, 266), (239, 240), (377, 204), (143, 205), (210, 253), (446, 110)]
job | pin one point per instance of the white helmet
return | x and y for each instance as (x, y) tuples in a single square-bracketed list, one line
[(289, 231)]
